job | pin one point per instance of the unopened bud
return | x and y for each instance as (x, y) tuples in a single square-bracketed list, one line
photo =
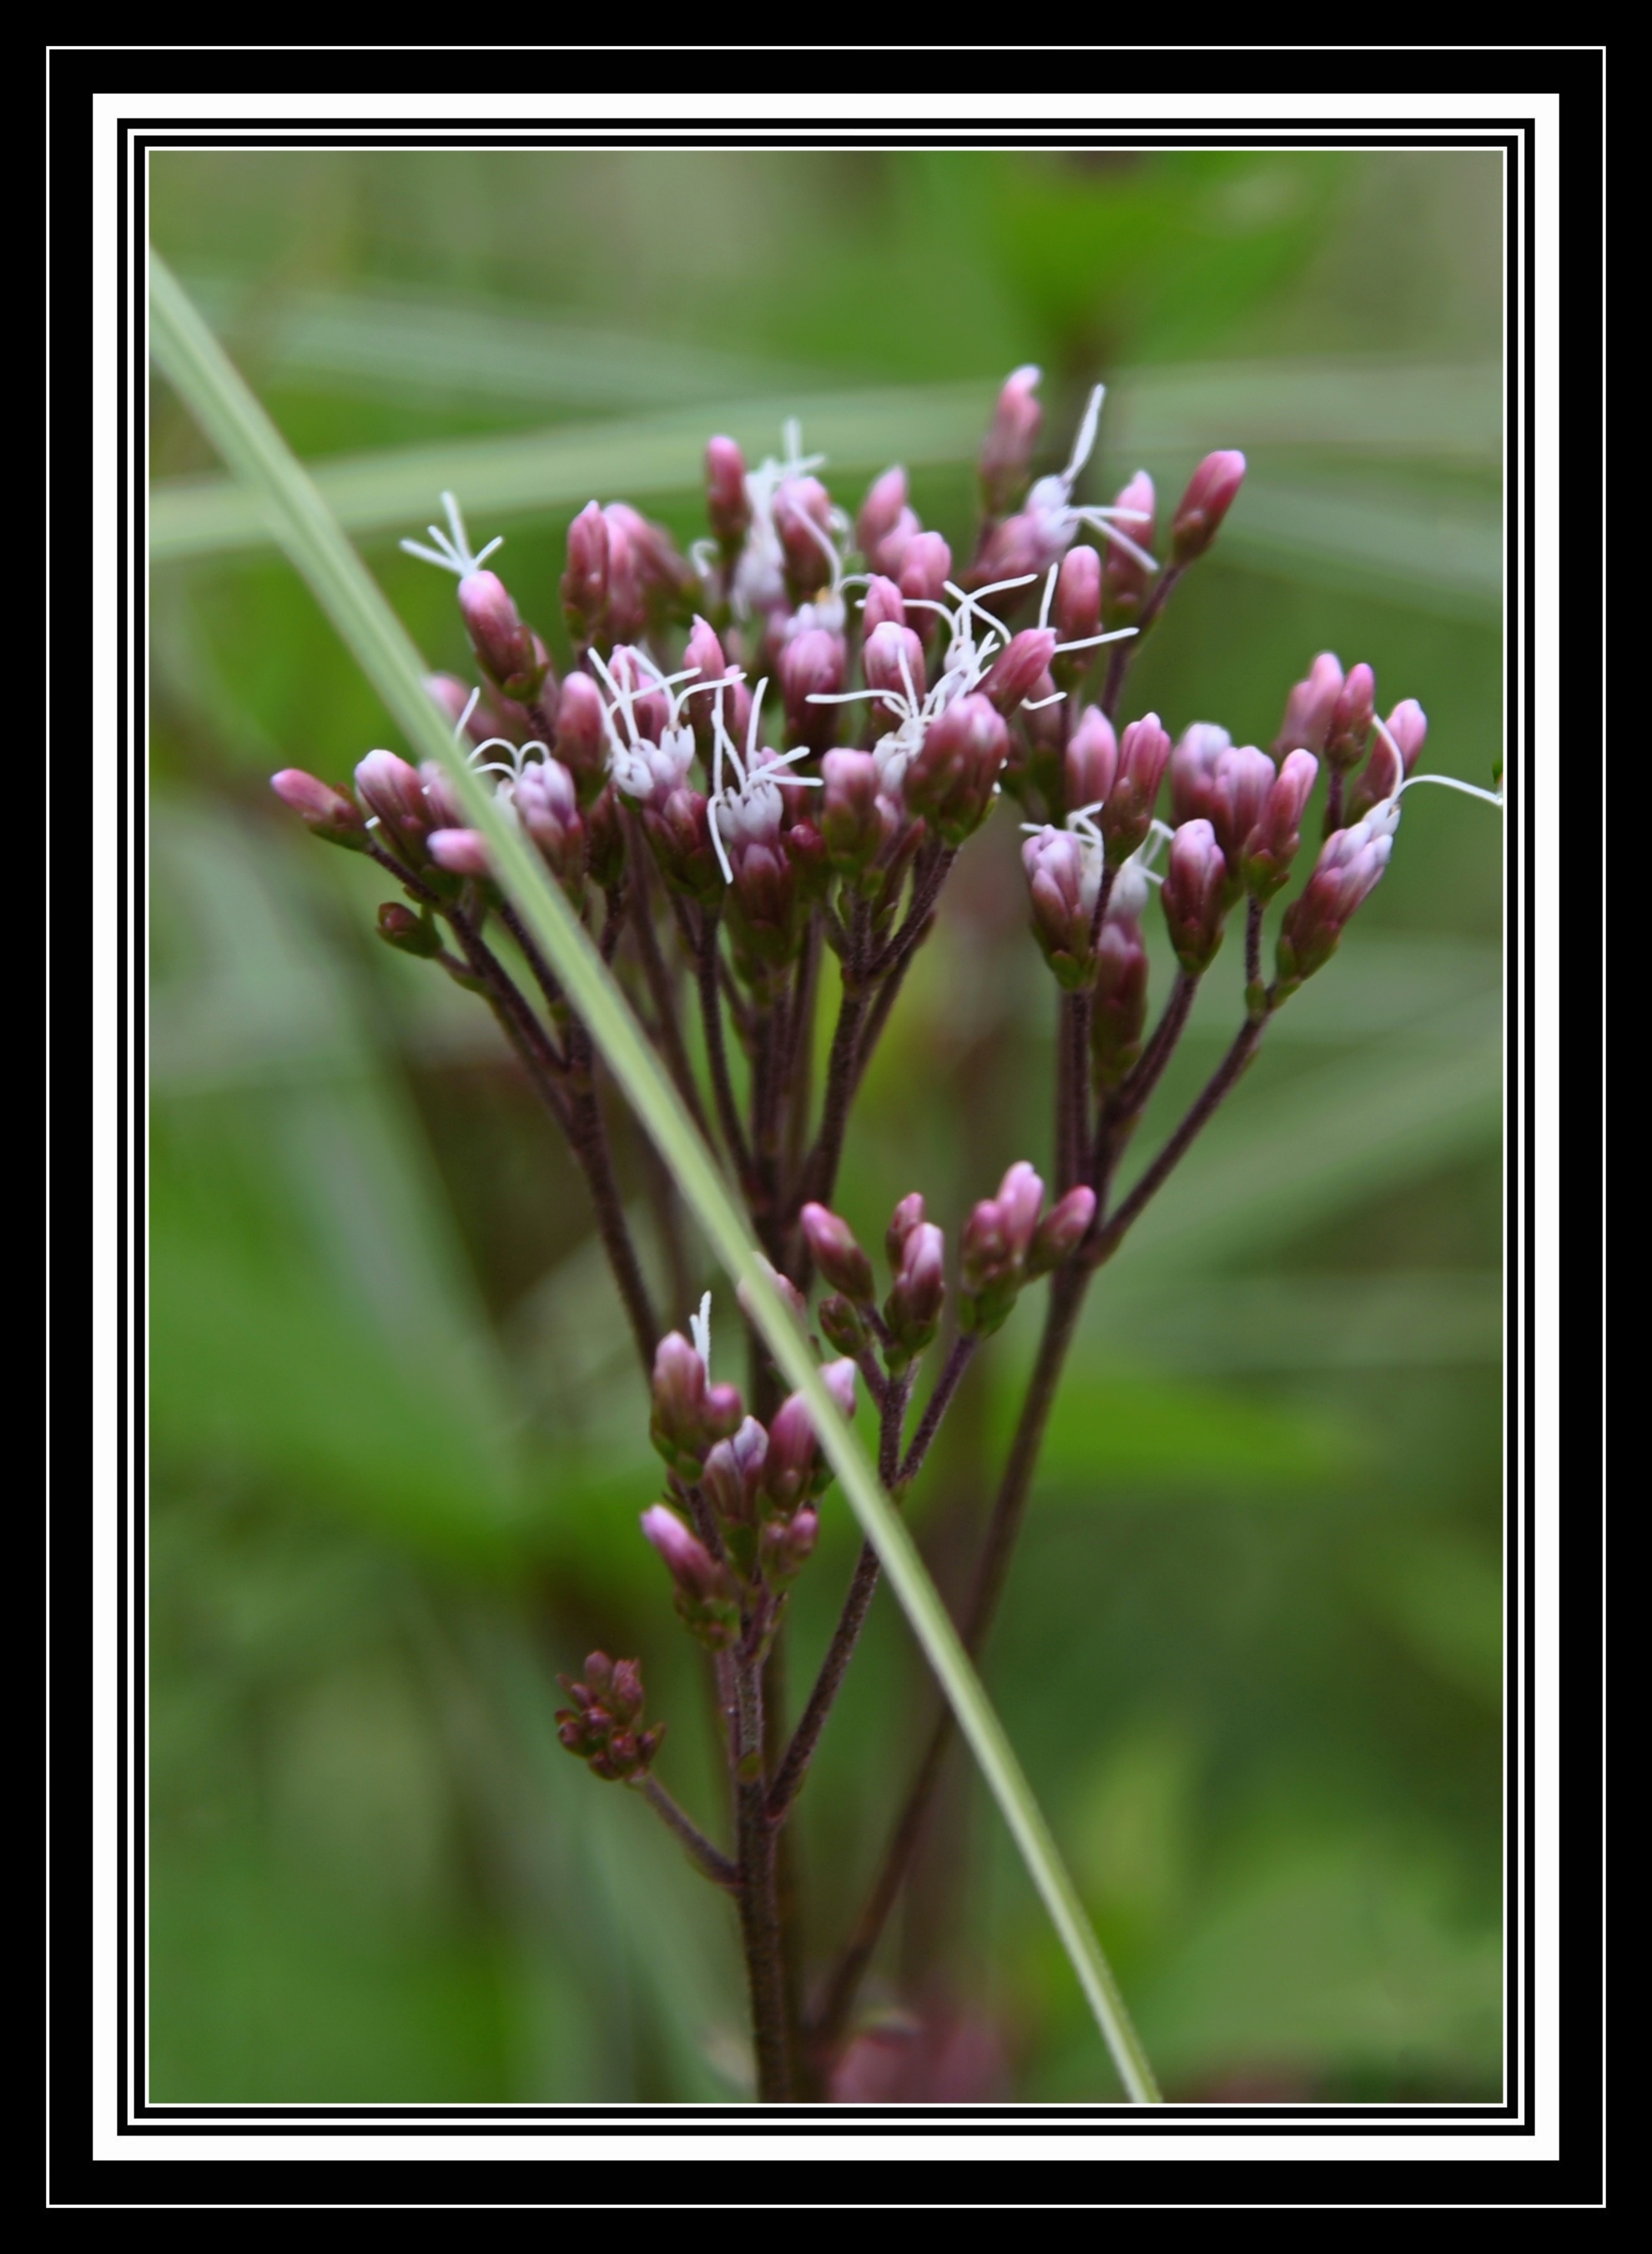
[(850, 821), (727, 508), (949, 780), (881, 511), (884, 603), (908, 1216), (793, 1470), (1124, 580), (1352, 718), (1306, 726), (1077, 612), (581, 739), (1118, 1002), (1017, 670), (461, 852), (585, 583), (786, 1545), (601, 1726), (831, 1242), (1062, 1231), (443, 809), (1211, 493), (1125, 820), (925, 568), (327, 812), (1196, 880), (812, 664), (408, 934), (892, 660), (389, 789), (1193, 771), (506, 649), (842, 1327), (913, 1307), (1351, 863), (549, 806), (1091, 760), (1006, 457), (1062, 880), (1243, 781), (678, 1425), (1408, 724), (1272, 844), (803, 518), (993, 1249), (733, 1469), (704, 1591), (795, 1304)]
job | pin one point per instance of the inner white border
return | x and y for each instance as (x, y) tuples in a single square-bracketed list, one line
[(1537, 733)]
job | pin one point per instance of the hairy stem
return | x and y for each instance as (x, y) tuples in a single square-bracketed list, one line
[(1106, 1240)]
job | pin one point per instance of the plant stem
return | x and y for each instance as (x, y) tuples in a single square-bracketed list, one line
[(711, 1015), (1118, 664), (1106, 1240), (759, 1911), (1067, 1288), (658, 979), (716, 1865), (589, 1138)]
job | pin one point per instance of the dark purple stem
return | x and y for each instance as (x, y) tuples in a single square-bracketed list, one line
[(1118, 664), (1106, 1240), (711, 1015)]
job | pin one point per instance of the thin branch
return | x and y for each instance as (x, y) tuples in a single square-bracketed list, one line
[(716, 1865), (711, 1017), (940, 1401), (1106, 1240), (658, 979)]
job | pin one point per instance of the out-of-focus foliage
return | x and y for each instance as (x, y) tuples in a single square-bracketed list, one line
[(1252, 1652)]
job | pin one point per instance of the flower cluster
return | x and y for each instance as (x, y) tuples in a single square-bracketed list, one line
[(767, 753)]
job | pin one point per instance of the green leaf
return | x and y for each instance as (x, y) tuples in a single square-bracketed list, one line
[(244, 435)]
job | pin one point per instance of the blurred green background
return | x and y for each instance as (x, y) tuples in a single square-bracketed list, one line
[(1251, 1653)]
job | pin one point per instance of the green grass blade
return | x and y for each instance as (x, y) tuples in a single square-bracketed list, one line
[(255, 451)]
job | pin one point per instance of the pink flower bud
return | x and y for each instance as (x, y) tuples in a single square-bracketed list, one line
[(461, 852), (881, 511), (505, 648), (1091, 760), (907, 1216), (733, 1470), (1211, 493), (912, 1309), (883, 602), (449, 694), (1062, 880), (691, 1564), (728, 511), (949, 780), (702, 653), (581, 738), (1021, 543), (599, 1726), (626, 614), (881, 662), (550, 808), (1192, 770), (1020, 1199), (1006, 457), (1062, 1231), (1144, 751), (1408, 724), (1195, 878), (1017, 670), (788, 1467), (1118, 1002), (443, 810), (803, 518), (1124, 580), (1352, 717), (1077, 610), (389, 789), (1380, 777), (679, 831), (838, 1378), (925, 568), (831, 1242), (585, 583), (624, 1696), (850, 821), (1351, 862), (326, 811), (1272, 844), (812, 664), (678, 1425), (1306, 726), (1239, 791)]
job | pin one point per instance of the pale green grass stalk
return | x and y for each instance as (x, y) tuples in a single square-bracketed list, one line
[(253, 448)]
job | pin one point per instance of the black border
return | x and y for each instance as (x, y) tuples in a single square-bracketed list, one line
[(1516, 135)]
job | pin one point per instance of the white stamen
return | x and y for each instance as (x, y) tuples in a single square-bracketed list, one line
[(451, 551), (700, 1330)]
